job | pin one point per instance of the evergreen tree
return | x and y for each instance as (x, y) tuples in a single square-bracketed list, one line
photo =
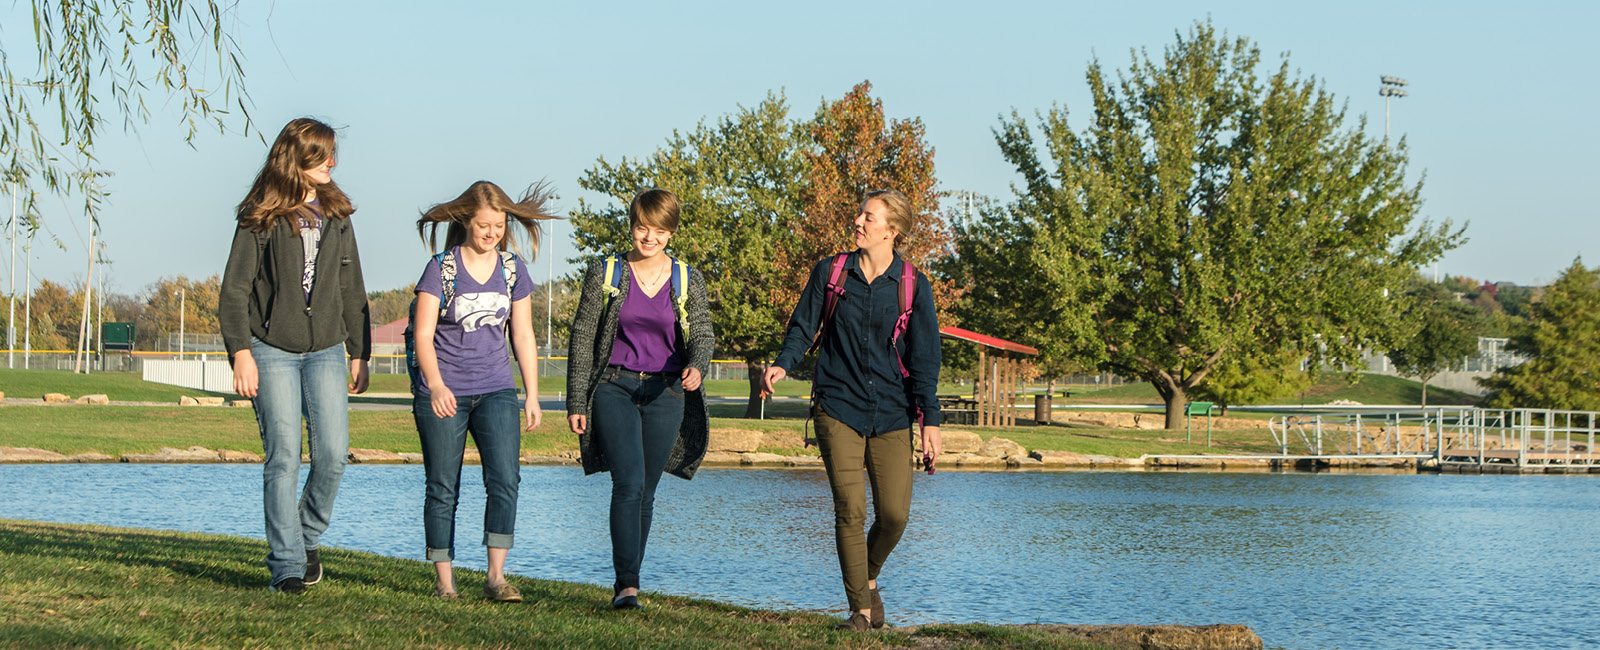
[(1562, 337)]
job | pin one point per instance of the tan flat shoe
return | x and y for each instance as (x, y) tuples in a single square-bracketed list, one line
[(502, 593)]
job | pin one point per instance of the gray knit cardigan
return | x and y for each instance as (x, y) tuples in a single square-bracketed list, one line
[(594, 330)]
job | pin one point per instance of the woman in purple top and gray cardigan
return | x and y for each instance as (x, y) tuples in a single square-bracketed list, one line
[(633, 378)]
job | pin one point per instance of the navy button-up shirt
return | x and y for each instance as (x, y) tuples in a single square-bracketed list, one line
[(858, 380)]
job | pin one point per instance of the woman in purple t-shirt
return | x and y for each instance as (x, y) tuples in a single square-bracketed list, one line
[(640, 347), (465, 298)]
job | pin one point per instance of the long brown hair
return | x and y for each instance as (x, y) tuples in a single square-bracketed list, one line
[(533, 207), (281, 186)]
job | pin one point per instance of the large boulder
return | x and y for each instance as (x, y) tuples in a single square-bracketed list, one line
[(998, 447), (738, 440), (235, 456), (721, 458), (29, 455), (56, 398), (195, 454), (1053, 458), (210, 401), (960, 442), (1158, 637), (755, 458), (973, 461), (185, 400), (94, 399), (241, 403), (359, 455)]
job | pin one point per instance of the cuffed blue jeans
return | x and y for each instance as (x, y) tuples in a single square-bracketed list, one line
[(292, 386), (635, 420), (493, 419)]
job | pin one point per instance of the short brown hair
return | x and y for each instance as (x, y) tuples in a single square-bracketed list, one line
[(656, 208), (902, 218)]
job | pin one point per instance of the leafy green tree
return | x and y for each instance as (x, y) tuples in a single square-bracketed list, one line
[(390, 305), (98, 60), (1446, 334), (738, 179), (1562, 338), (1207, 215), (1255, 380)]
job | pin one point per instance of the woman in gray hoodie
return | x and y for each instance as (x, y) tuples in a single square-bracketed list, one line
[(293, 306)]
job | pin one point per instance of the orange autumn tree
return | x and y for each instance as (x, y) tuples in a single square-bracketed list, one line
[(855, 149)]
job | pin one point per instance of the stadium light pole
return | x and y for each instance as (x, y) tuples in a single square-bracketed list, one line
[(1390, 87)]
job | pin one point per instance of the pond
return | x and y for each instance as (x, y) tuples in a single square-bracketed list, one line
[(1310, 561)]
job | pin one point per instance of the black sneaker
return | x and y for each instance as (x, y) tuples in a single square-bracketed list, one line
[(289, 585), (313, 568)]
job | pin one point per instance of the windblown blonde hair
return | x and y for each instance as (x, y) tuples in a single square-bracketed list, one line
[(533, 207)]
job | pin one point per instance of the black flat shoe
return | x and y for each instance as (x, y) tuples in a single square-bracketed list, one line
[(624, 602)]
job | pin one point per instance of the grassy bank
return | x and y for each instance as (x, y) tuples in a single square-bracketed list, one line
[(1368, 389), (118, 430), (98, 587)]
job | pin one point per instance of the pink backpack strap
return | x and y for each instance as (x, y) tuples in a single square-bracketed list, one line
[(834, 291), (908, 289)]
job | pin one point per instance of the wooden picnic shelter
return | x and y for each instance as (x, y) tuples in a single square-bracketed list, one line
[(999, 380)]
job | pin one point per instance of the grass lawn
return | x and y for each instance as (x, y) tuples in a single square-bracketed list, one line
[(119, 386), (1368, 389), (97, 587)]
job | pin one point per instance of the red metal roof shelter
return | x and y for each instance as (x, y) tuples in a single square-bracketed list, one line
[(999, 381)]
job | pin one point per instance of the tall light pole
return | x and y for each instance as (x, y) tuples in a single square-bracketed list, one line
[(11, 302), (549, 296), (1391, 87), (182, 311)]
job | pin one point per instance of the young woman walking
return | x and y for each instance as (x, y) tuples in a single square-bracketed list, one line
[(465, 298), (872, 381), (292, 308), (641, 345)]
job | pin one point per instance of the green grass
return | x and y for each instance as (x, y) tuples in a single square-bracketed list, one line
[(1368, 389), (119, 386), (66, 586), (118, 430)]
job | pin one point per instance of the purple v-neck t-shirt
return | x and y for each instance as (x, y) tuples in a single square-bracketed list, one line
[(470, 341), (647, 332)]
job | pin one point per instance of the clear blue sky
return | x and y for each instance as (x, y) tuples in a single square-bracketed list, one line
[(1500, 117)]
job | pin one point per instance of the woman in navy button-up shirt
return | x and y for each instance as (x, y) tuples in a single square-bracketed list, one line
[(868, 389)]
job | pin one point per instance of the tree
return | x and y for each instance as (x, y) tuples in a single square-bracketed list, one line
[(91, 51), (57, 313), (1208, 216), (764, 197), (161, 303), (738, 180), (390, 305), (856, 149), (1446, 334), (1255, 380), (1562, 338)]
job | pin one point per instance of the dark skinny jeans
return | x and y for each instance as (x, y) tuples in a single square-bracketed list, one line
[(635, 420), (494, 419)]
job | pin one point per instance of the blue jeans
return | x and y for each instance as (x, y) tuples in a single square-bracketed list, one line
[(493, 419), (292, 386), (635, 420)]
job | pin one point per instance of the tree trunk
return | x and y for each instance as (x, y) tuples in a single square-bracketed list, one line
[(1425, 392), (1176, 401), (756, 370)]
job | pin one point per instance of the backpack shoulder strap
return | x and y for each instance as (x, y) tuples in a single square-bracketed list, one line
[(907, 292), (508, 270), (613, 285), (447, 281), (830, 298), (680, 297)]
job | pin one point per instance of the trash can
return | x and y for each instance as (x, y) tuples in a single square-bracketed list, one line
[(1041, 408)]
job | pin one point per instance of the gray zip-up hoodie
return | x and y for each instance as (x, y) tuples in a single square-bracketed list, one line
[(262, 296)]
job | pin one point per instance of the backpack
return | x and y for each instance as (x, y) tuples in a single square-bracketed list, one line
[(680, 277), (447, 286), (835, 289)]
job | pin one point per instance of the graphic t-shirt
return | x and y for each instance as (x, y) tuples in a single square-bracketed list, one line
[(470, 340), (310, 243)]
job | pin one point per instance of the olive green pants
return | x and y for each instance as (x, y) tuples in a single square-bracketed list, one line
[(886, 459)]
